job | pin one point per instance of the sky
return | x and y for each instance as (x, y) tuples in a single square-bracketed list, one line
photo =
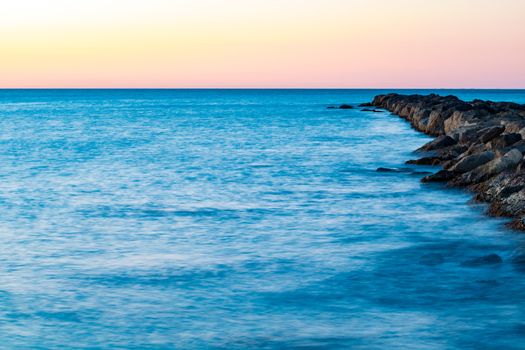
[(263, 43)]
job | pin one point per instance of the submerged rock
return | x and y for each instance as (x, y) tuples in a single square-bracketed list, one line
[(492, 259), (402, 170), (394, 170), (432, 259)]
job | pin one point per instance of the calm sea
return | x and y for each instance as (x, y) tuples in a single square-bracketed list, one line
[(239, 219)]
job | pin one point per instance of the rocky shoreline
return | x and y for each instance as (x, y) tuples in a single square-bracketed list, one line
[(479, 144)]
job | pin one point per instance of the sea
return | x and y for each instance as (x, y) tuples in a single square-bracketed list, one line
[(241, 219)]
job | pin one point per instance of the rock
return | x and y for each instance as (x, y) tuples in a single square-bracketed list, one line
[(520, 146), (504, 141), (394, 170), (466, 135), (402, 170), (487, 134), (346, 107), (440, 176), (476, 148), (510, 160), (368, 104), (425, 161), (469, 163), (459, 119), (440, 142), (492, 259)]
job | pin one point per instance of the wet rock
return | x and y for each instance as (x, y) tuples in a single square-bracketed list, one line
[(394, 170), (402, 170), (440, 142), (368, 104), (345, 106), (492, 259), (426, 161), (440, 176)]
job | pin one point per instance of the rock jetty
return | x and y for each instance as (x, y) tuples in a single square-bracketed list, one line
[(480, 145)]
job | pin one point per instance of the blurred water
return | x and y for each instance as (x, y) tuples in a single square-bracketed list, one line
[(238, 219)]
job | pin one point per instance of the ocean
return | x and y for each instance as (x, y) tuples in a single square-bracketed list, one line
[(240, 219)]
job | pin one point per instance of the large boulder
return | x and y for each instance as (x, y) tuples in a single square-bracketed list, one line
[(459, 119), (508, 161), (471, 162)]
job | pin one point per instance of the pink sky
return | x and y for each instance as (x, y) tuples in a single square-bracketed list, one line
[(256, 43)]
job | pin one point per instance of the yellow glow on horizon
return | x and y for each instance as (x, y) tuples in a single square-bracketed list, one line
[(234, 43)]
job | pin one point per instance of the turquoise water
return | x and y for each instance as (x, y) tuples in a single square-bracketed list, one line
[(239, 219)]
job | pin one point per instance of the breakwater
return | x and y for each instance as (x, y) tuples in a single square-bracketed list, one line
[(479, 144)]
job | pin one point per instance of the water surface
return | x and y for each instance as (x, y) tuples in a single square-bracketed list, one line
[(239, 219)]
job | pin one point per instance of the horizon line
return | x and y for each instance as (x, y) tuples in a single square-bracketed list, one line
[(261, 88)]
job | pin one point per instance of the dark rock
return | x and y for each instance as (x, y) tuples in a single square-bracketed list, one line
[(440, 176), (492, 259), (440, 142), (394, 170), (487, 134), (520, 146), (346, 107), (368, 104), (467, 136), (509, 190), (425, 161), (503, 141), (402, 170), (469, 163), (507, 162)]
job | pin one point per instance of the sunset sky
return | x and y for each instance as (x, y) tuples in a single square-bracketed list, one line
[(263, 43)]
